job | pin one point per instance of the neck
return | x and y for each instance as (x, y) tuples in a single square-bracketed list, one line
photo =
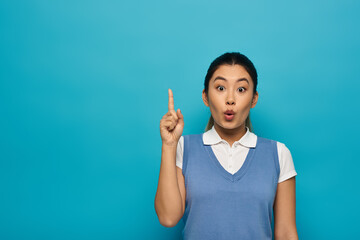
[(231, 135)]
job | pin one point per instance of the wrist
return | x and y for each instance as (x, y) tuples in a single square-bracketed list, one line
[(169, 145)]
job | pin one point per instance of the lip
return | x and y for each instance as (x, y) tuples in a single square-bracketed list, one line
[(229, 114), (229, 117)]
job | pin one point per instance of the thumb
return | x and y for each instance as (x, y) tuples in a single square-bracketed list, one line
[(180, 116)]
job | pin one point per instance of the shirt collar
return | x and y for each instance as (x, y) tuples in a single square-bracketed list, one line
[(211, 137)]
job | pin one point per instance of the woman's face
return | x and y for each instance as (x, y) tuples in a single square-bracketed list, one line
[(230, 88)]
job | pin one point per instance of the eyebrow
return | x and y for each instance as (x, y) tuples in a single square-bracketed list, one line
[(239, 80)]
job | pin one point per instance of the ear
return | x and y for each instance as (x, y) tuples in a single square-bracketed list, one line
[(255, 99), (204, 97)]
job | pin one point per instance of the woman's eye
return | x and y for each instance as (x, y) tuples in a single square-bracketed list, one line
[(220, 87), (242, 90)]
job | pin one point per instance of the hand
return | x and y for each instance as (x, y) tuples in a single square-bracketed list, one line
[(171, 124)]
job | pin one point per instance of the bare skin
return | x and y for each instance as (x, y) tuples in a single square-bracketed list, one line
[(285, 211), (225, 93), (170, 194)]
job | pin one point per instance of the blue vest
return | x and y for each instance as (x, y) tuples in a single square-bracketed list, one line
[(220, 205)]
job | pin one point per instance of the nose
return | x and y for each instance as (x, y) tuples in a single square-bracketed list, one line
[(230, 102), (230, 99)]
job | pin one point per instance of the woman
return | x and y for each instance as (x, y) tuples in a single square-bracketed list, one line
[(227, 182)]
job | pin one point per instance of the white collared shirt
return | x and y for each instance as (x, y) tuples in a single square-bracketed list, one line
[(233, 157)]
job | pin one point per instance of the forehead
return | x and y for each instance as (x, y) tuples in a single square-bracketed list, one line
[(232, 73)]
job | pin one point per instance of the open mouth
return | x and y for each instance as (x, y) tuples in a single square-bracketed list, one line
[(229, 116)]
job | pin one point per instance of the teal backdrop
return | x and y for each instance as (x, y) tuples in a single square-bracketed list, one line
[(83, 86)]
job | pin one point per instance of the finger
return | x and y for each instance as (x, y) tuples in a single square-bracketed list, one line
[(165, 123), (171, 116), (171, 100), (179, 114), (169, 124), (166, 115)]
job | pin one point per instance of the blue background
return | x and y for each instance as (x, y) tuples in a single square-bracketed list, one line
[(84, 85)]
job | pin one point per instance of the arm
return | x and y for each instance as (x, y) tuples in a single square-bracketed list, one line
[(170, 194), (170, 197), (284, 211)]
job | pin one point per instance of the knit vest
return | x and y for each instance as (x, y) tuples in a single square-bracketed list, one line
[(224, 206)]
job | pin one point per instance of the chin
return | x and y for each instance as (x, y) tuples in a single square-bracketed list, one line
[(228, 125)]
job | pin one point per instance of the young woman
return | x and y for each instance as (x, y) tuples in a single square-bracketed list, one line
[(227, 182)]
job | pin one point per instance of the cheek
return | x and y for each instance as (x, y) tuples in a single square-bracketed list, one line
[(215, 106), (213, 110), (245, 102)]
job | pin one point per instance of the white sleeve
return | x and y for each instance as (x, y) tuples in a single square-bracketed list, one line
[(287, 168), (179, 152)]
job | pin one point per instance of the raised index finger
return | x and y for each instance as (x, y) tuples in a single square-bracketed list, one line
[(171, 100)]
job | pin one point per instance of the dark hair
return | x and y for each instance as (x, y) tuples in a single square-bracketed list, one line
[(231, 58)]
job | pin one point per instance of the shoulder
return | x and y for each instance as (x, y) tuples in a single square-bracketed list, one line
[(190, 136), (189, 140), (187, 137), (285, 159), (287, 166), (266, 140), (281, 147)]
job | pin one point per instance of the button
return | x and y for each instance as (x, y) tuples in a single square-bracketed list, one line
[(230, 154), (230, 166)]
